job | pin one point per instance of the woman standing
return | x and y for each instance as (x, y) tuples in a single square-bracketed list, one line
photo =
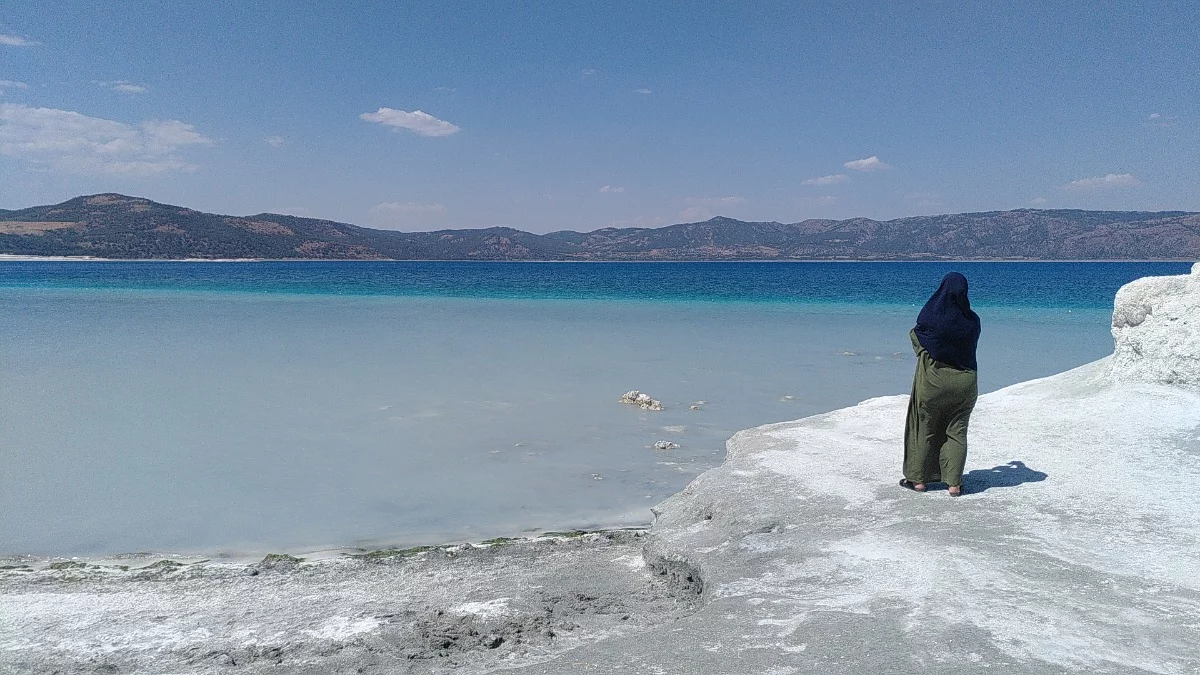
[(944, 388)]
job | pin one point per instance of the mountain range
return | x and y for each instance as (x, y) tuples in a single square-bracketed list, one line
[(117, 226)]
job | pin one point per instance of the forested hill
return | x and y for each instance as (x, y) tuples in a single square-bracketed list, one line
[(116, 226)]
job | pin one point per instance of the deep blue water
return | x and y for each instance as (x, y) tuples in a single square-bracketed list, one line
[(1088, 285)]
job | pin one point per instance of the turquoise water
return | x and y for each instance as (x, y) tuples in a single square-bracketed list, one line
[(1046, 285), (211, 407)]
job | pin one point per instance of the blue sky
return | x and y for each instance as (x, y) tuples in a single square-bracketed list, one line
[(581, 115)]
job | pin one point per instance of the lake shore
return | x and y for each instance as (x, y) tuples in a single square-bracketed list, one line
[(1074, 550)]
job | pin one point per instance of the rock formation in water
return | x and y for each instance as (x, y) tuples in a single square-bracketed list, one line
[(641, 400)]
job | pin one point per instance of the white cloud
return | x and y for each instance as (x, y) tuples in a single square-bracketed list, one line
[(871, 163), (825, 200), (407, 215), (924, 200), (715, 201), (643, 90), (1161, 120), (71, 142), (1038, 201), (612, 189), (12, 84), (695, 214), (587, 72), (418, 122), (638, 221), (702, 208), (124, 86), (16, 41), (409, 207), (1111, 180), (274, 141), (832, 179), (450, 90)]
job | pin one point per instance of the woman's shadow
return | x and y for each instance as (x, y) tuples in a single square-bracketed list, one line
[(1006, 475)]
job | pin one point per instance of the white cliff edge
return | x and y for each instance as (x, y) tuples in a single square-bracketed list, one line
[(1076, 549), (1156, 330)]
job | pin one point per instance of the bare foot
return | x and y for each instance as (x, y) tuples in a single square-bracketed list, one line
[(954, 490)]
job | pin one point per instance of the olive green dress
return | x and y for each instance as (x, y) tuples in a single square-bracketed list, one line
[(935, 435)]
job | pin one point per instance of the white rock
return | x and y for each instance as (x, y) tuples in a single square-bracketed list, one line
[(665, 445), (1156, 331), (641, 400)]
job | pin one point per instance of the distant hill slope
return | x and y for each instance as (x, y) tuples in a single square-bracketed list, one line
[(116, 226)]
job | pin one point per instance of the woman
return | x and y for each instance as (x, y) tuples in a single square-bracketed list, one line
[(944, 388)]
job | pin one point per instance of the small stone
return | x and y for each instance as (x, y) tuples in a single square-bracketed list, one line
[(665, 445), (641, 400)]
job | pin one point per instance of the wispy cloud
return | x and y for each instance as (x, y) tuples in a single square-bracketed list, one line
[(1112, 180), (612, 189), (418, 122), (407, 215), (1161, 120), (871, 163), (1039, 201), (408, 207), (275, 141), (703, 208), (832, 179), (587, 72), (124, 86), (643, 90), (17, 41), (12, 84), (70, 142), (924, 200), (639, 221), (733, 200), (825, 200), (449, 90)]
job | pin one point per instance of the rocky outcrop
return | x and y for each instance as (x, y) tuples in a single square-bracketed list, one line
[(1156, 330), (641, 400)]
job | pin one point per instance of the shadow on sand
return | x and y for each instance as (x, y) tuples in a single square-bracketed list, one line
[(1006, 475)]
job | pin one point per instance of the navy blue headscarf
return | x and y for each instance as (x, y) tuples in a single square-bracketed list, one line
[(946, 326)]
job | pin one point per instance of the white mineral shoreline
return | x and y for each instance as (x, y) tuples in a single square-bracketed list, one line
[(1076, 550)]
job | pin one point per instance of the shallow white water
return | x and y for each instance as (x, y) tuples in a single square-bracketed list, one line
[(135, 421)]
